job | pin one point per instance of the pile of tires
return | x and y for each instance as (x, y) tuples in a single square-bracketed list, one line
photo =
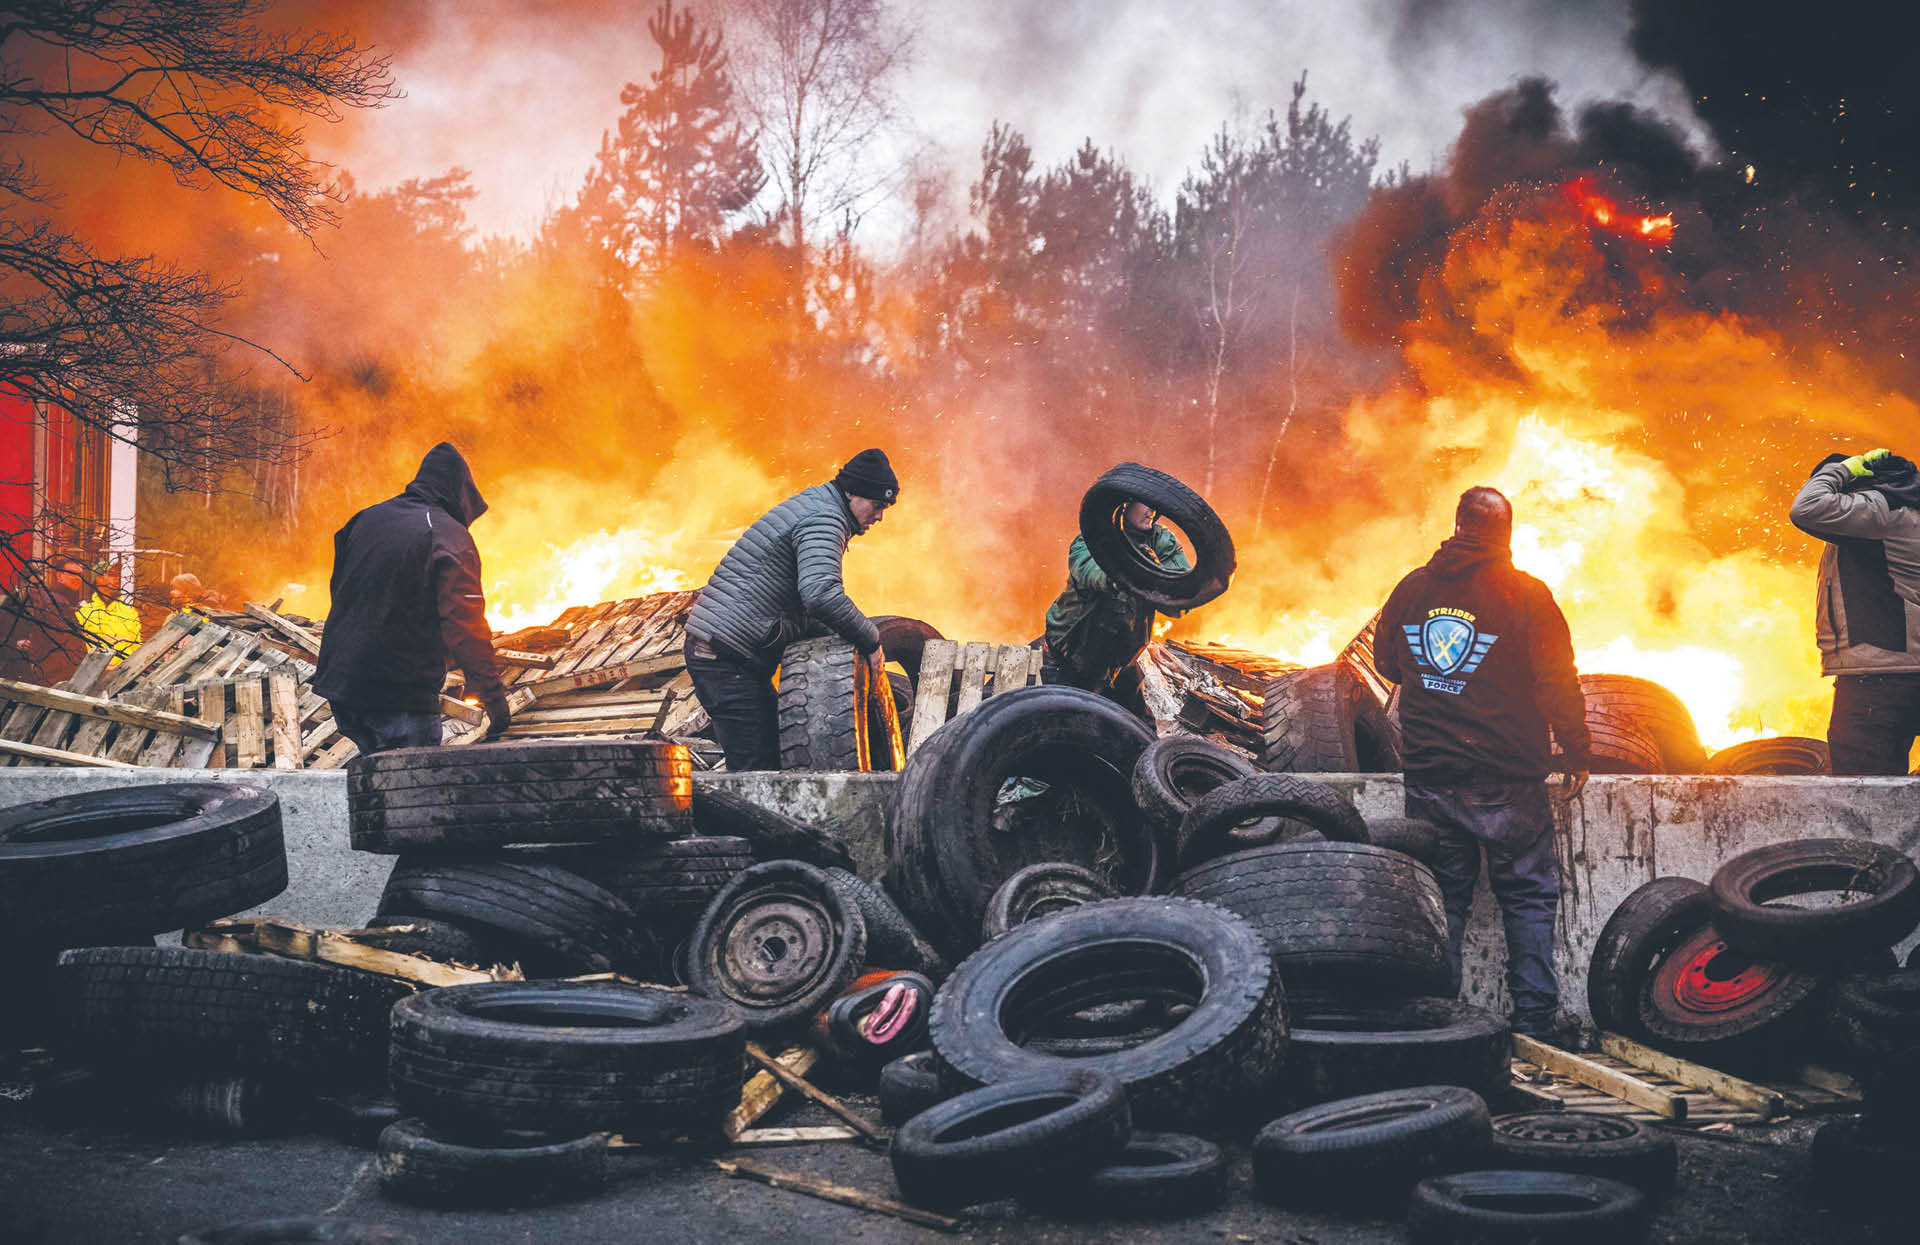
[(562, 857), (1775, 755), (1858, 1166), (1728, 974), (511, 1089), (1323, 719), (226, 1041)]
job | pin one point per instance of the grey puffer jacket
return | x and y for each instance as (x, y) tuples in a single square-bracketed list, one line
[(1868, 602), (783, 572)]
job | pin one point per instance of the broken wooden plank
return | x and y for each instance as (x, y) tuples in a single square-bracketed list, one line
[(177, 628), (1764, 1102), (525, 661), (932, 691), (57, 756), (763, 1089), (247, 728), (827, 1191), (605, 674), (283, 714), (794, 1081), (99, 707), (1829, 1081), (1598, 1076)]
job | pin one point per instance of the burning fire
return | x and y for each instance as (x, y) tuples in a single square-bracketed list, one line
[(1607, 214)]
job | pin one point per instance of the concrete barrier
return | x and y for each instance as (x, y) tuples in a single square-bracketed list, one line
[(1624, 831)]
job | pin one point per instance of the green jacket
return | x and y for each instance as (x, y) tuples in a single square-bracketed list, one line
[(1096, 624)]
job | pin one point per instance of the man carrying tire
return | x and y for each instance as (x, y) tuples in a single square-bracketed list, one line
[(781, 581), (1485, 664), (1867, 605), (406, 604), (1095, 627)]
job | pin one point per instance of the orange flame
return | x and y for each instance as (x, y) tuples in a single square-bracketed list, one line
[(1607, 214)]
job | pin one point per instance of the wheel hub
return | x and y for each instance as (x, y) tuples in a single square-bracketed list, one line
[(776, 947)]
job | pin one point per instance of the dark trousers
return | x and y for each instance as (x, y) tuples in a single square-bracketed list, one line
[(1513, 822), (740, 700), (1876, 718), (378, 730), (1122, 688)]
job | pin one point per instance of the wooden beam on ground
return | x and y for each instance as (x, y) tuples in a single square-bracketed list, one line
[(763, 1089), (1838, 1083), (57, 756), (460, 710), (807, 1088), (828, 1191), (605, 674), (99, 707), (1598, 1076), (1767, 1103), (304, 640)]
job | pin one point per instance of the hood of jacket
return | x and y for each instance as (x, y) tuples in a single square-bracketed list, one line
[(444, 480), (1459, 556)]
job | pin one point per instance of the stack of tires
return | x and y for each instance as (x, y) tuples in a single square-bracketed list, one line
[(1728, 974), (229, 1042), (830, 717), (562, 857), (511, 1089)]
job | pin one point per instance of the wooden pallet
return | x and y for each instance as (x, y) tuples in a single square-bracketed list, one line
[(267, 722), (190, 649), (363, 949), (1629, 1079), (52, 726), (955, 678), (603, 638)]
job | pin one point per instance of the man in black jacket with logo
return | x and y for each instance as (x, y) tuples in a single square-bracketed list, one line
[(1485, 665), (406, 601)]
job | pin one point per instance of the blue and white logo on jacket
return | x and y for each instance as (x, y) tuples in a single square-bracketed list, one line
[(1450, 645)]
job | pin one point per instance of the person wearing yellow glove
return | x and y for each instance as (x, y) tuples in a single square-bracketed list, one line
[(107, 618), (1867, 605)]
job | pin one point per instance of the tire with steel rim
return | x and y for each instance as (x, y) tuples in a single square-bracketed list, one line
[(1587, 1145), (778, 943)]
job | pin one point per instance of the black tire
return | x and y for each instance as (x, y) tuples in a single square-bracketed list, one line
[(1743, 887), (1367, 1150), (841, 1022), (423, 935), (1852, 1169), (357, 1119), (417, 1164), (1157, 1176), (552, 922), (548, 791), (904, 640), (1039, 891), (137, 860), (1211, 826), (1166, 591), (1493, 1207), (1777, 755), (1418, 839), (1220, 1059), (232, 1106), (567, 1058), (1659, 712), (1609, 1146), (1621, 744), (908, 1086), (778, 943), (1322, 720), (1877, 1015), (892, 941), (1345, 921), (303, 1230), (823, 706), (1644, 927), (772, 835), (1011, 1138), (1177, 770), (1339, 1052), (667, 882), (946, 853), (216, 1012)]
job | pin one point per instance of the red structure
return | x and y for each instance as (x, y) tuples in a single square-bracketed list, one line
[(57, 485)]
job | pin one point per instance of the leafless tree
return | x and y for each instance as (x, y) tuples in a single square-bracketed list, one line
[(819, 78), (209, 91)]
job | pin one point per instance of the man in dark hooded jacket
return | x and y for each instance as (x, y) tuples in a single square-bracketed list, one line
[(1485, 665), (406, 602)]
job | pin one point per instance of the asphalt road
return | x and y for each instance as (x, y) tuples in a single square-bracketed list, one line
[(109, 1182)]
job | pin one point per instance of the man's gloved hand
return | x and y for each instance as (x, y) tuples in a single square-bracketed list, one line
[(1861, 466), (499, 716)]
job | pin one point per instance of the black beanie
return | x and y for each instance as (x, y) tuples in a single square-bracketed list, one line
[(868, 474)]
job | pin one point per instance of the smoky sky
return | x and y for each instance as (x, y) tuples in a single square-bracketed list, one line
[(519, 92)]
